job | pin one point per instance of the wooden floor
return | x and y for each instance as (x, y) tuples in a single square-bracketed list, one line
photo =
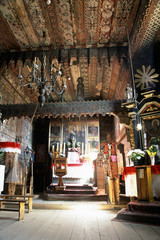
[(80, 224)]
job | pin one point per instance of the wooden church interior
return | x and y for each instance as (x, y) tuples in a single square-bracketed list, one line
[(77, 79)]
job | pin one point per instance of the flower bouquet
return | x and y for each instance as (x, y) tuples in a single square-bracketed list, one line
[(135, 156), (152, 151)]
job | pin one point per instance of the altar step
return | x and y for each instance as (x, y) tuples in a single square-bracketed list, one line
[(144, 212), (76, 197), (74, 192)]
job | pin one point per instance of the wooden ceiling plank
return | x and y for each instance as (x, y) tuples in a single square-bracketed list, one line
[(14, 24), (92, 76), (107, 68), (35, 14), (113, 79), (106, 10), (51, 19), (13, 90), (6, 35), (26, 23), (83, 63), (33, 96), (120, 20), (91, 16), (79, 29), (123, 79), (146, 25)]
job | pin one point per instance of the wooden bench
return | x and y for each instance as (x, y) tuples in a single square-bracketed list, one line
[(28, 199), (19, 202)]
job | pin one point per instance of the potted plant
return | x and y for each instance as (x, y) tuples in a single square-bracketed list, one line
[(152, 151), (136, 156)]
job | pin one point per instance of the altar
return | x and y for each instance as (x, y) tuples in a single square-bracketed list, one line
[(77, 170), (129, 176)]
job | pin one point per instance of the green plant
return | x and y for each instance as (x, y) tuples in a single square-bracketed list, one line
[(135, 154)]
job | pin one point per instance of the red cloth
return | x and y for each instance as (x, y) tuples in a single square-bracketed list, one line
[(10, 145), (155, 169)]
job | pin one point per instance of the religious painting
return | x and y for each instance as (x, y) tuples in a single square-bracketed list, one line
[(55, 131), (93, 137), (152, 130), (93, 146), (93, 131), (152, 135), (55, 136)]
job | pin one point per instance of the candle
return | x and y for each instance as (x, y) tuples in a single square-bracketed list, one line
[(64, 148)]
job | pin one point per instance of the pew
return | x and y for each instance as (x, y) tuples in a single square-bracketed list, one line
[(28, 199), (19, 202)]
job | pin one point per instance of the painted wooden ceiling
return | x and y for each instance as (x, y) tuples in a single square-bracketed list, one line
[(92, 32)]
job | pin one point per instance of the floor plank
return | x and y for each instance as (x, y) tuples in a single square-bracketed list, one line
[(106, 228), (146, 232), (85, 226), (125, 231), (82, 224)]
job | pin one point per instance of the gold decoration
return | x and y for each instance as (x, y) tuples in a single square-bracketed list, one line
[(145, 77), (151, 109), (131, 135)]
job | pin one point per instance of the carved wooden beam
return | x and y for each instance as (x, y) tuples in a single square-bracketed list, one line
[(60, 109)]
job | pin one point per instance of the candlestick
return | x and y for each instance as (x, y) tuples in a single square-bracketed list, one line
[(57, 146)]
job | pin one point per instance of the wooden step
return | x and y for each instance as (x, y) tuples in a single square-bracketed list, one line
[(76, 197), (126, 215), (145, 207)]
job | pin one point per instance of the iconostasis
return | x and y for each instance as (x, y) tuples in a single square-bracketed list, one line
[(78, 141)]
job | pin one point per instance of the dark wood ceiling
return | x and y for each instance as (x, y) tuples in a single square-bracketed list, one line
[(93, 32)]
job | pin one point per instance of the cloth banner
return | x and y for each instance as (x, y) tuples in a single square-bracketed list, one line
[(10, 147)]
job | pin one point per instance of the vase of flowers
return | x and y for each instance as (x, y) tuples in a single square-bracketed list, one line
[(136, 156), (152, 151)]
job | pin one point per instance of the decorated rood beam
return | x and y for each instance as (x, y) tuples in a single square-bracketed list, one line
[(60, 109)]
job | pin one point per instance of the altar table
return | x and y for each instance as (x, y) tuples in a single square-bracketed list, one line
[(79, 170), (129, 176)]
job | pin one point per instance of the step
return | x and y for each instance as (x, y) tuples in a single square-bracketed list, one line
[(145, 207), (126, 215), (75, 197), (72, 191), (73, 186)]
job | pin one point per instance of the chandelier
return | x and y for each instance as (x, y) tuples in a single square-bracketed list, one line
[(45, 81)]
